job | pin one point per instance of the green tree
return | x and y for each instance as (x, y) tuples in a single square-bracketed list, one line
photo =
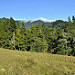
[(39, 45), (18, 26), (12, 24), (69, 20), (73, 19), (13, 40), (51, 36)]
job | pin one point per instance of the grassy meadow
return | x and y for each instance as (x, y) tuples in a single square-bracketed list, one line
[(32, 63)]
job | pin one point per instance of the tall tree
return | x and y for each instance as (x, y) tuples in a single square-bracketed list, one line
[(18, 25), (13, 40), (12, 24), (69, 20), (73, 19)]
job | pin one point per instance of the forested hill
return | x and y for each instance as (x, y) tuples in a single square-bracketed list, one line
[(56, 38), (56, 24)]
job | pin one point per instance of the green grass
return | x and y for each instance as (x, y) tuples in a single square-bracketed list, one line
[(32, 63)]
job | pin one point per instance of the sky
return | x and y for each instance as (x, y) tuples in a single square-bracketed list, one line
[(33, 9)]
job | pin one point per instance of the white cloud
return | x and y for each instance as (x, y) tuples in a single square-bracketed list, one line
[(45, 20), (32, 20)]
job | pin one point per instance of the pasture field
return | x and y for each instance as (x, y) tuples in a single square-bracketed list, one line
[(32, 63)]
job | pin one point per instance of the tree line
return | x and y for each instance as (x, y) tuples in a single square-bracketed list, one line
[(38, 38)]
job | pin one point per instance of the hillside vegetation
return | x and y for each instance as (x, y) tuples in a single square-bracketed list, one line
[(58, 38), (32, 63)]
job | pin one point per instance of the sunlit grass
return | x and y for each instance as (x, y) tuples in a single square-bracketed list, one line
[(32, 63)]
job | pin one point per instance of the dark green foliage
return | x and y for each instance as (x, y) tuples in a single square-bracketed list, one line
[(58, 24), (39, 45), (12, 24), (56, 38), (73, 19)]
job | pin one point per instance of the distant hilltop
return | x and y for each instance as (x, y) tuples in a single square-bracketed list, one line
[(48, 23), (41, 19)]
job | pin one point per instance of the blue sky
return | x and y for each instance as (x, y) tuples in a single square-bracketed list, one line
[(33, 9)]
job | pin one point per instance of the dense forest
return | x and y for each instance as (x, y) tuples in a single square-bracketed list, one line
[(54, 38)]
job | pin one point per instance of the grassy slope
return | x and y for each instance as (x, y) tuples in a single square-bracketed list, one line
[(31, 63)]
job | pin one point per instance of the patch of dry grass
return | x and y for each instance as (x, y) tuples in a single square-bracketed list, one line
[(32, 63)]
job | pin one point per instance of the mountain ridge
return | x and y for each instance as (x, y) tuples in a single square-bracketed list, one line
[(32, 20), (48, 23)]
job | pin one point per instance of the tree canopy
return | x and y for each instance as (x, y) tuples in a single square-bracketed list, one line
[(56, 39)]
